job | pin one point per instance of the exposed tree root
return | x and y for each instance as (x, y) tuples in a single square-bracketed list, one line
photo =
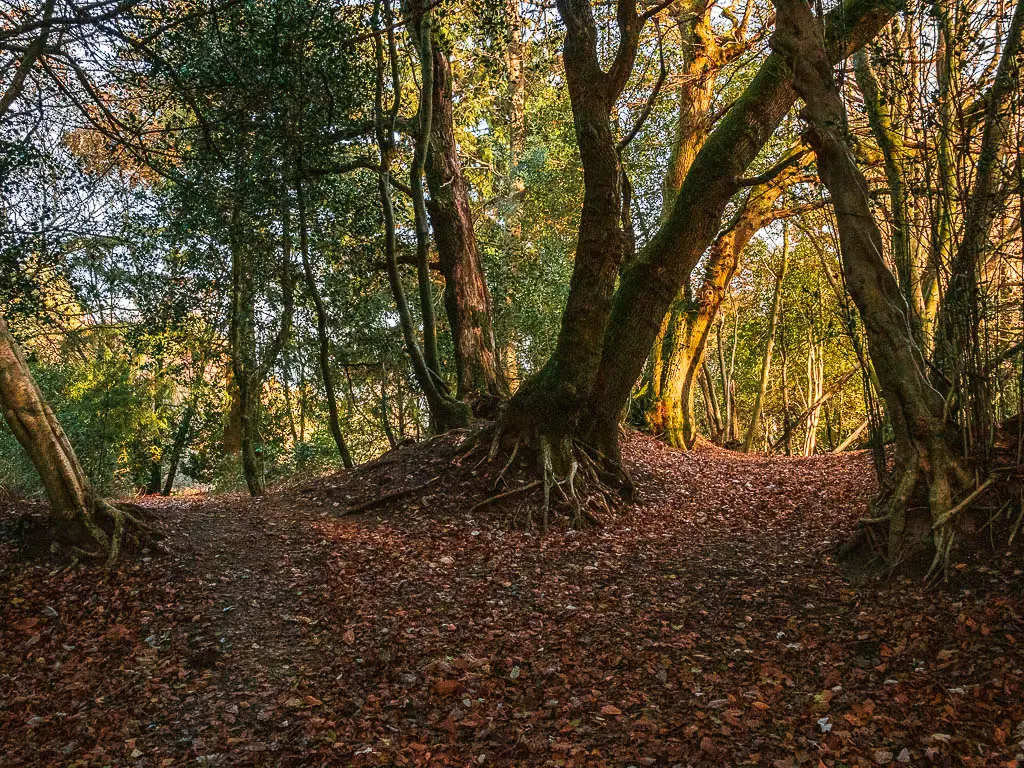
[(914, 521), (577, 483), (106, 532)]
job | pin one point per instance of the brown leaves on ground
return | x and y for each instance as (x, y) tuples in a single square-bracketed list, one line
[(709, 626)]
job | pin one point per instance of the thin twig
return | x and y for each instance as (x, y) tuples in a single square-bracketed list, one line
[(503, 495), (387, 497)]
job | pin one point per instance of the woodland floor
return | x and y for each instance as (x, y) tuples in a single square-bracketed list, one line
[(709, 626)]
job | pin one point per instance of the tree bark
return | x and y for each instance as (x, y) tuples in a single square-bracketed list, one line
[(923, 456), (77, 515), (467, 299), (445, 412)]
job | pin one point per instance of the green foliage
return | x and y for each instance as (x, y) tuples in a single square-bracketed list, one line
[(111, 409)]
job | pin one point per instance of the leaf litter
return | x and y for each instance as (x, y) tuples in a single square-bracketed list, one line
[(710, 625)]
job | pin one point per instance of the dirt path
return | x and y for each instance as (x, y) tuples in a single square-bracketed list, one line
[(709, 627)]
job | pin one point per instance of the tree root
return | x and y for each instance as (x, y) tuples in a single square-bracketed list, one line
[(387, 497), (905, 535), (108, 530), (578, 483)]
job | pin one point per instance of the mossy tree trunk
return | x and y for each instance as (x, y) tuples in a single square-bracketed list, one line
[(556, 403), (885, 112), (924, 459), (678, 347)]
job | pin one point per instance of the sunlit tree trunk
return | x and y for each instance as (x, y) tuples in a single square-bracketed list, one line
[(77, 515), (815, 390), (766, 361), (679, 346), (678, 358), (922, 455)]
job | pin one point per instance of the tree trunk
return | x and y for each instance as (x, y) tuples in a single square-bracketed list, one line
[(715, 425), (322, 335), (515, 64), (445, 412), (678, 348), (677, 359), (179, 445), (786, 421), (923, 457), (467, 299), (385, 422), (242, 343), (77, 515), (249, 373), (231, 442), (815, 390), (766, 363), (884, 118), (556, 403), (420, 28)]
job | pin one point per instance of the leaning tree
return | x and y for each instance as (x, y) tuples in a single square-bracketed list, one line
[(47, 41), (78, 516), (924, 463)]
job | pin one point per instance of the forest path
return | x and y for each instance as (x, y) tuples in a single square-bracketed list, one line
[(709, 626)]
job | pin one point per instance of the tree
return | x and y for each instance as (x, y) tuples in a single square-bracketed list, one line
[(572, 407), (922, 455), (77, 515), (467, 298), (958, 346), (446, 412)]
